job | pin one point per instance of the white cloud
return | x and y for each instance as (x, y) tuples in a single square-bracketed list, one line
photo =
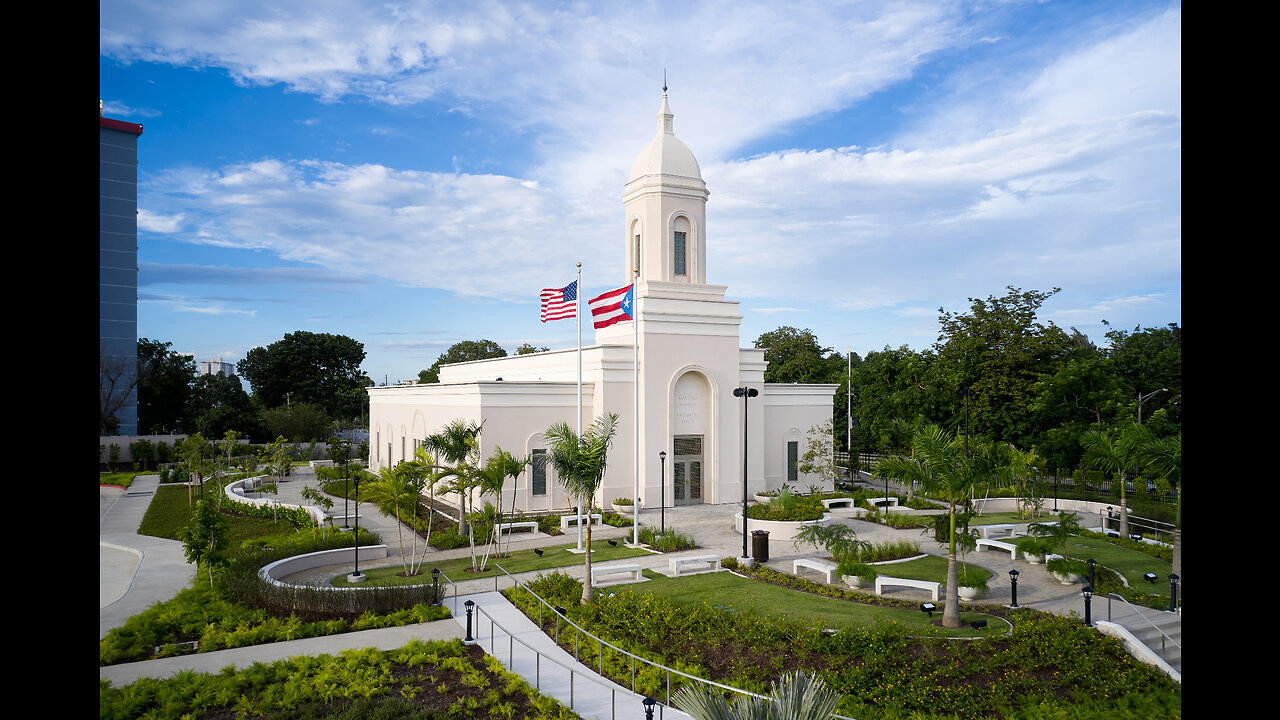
[(157, 223)]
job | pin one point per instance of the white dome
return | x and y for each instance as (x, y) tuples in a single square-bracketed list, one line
[(665, 154)]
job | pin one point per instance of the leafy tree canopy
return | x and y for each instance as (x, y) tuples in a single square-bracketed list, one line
[(999, 351), (527, 349), (165, 378), (795, 356), (317, 368), (298, 421), (218, 404), (464, 351)]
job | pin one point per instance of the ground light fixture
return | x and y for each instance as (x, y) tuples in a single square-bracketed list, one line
[(1013, 586), (648, 703), (614, 543), (1149, 577), (1088, 611), (978, 624), (929, 608), (537, 551), (744, 393)]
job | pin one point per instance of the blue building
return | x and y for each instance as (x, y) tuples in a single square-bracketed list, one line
[(118, 271)]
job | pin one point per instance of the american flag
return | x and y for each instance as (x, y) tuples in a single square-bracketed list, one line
[(560, 303), (613, 307)]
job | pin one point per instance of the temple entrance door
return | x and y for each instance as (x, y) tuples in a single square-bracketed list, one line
[(686, 469)]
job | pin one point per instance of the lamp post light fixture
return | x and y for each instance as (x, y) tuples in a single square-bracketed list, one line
[(435, 585), (1173, 591), (357, 576), (648, 703), (1143, 398), (662, 464), (1088, 612), (744, 393), (1013, 586), (468, 640)]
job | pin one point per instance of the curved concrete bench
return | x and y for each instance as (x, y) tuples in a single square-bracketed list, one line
[(235, 491), (998, 545), (298, 563)]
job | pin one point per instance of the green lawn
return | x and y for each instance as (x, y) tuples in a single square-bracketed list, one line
[(746, 595), (169, 512), (123, 479), (1130, 563), (459, 569), (1010, 518)]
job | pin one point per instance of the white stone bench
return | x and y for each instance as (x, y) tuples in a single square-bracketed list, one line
[(843, 502), (821, 567), (531, 526), (988, 531), (891, 501), (677, 564), (1010, 548), (592, 519), (598, 570), (929, 585)]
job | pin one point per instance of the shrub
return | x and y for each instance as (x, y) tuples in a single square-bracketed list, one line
[(859, 569), (1033, 546), (622, 501), (670, 541), (974, 577)]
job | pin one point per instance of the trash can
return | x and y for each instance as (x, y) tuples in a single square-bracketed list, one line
[(760, 545)]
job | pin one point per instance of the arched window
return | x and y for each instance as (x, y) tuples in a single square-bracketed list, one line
[(680, 247)]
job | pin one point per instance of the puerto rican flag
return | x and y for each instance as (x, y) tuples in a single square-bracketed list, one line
[(614, 306)]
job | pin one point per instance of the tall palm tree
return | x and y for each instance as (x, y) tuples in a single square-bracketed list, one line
[(491, 479), (1164, 456), (939, 464), (457, 449), (1115, 454), (579, 462), (795, 696), (396, 492)]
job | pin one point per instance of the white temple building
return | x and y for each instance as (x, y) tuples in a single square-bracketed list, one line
[(689, 363)]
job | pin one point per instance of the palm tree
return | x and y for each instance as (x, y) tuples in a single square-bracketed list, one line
[(796, 696), (491, 479), (939, 464), (1116, 455), (579, 462), (456, 447), (1164, 456), (397, 491)]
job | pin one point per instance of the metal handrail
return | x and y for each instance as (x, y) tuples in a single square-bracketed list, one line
[(1164, 637), (537, 677), (602, 642)]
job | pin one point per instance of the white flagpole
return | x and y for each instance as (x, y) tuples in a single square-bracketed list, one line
[(635, 496), (579, 316)]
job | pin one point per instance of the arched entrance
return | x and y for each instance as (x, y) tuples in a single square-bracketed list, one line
[(691, 405)]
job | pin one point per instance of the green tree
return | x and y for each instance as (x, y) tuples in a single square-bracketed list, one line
[(317, 368), (1000, 351), (465, 351), (795, 356), (492, 478), (796, 696), (456, 452), (940, 466), (398, 491), (1164, 457), (1146, 360), (118, 380), (527, 349), (890, 385), (206, 537), (197, 457), (579, 462), (165, 378), (219, 404), (299, 421)]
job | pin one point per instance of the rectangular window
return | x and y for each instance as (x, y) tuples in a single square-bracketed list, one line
[(635, 266), (539, 471), (679, 254), (793, 454)]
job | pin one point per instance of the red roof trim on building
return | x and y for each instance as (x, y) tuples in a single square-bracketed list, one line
[(120, 125)]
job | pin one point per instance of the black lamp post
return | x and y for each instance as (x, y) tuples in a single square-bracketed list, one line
[(1013, 585), (356, 576), (1088, 597), (468, 639), (435, 585), (648, 707), (744, 393), (1173, 591), (662, 463)]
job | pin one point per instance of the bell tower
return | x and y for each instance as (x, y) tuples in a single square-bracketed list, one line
[(664, 203)]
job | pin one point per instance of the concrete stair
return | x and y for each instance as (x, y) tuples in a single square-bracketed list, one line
[(1170, 624)]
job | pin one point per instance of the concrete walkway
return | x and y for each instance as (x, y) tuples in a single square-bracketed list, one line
[(138, 571)]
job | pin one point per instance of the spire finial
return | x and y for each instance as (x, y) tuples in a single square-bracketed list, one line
[(664, 80)]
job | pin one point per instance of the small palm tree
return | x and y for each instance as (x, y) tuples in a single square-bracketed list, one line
[(796, 696), (579, 462), (396, 492), (456, 447), (1115, 454), (491, 479), (940, 465), (1164, 456)]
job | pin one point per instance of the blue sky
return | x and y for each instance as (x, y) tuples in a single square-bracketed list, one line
[(411, 175)]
